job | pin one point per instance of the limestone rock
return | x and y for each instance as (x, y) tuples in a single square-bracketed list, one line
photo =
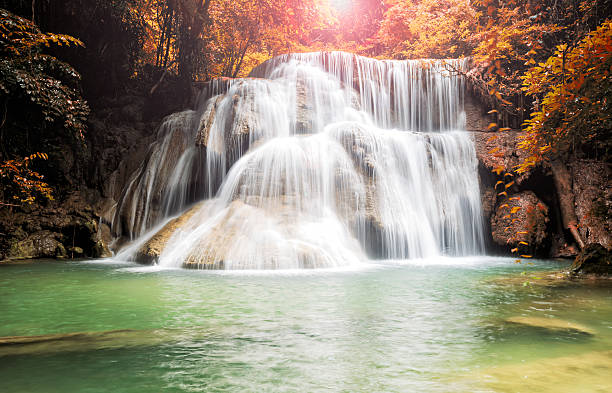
[(76, 251), (149, 253), (101, 250), (206, 122), (43, 244)]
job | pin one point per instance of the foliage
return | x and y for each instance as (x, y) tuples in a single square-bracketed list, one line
[(515, 35), (507, 47), (38, 93), (573, 93), (42, 80), (428, 29), (21, 182)]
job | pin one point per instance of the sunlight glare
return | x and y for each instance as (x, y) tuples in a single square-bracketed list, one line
[(341, 5)]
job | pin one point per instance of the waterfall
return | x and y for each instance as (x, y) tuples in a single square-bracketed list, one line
[(315, 160)]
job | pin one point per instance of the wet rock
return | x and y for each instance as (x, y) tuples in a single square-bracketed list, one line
[(149, 253), (101, 250), (140, 204), (593, 259), (206, 122), (523, 218), (76, 251), (488, 197)]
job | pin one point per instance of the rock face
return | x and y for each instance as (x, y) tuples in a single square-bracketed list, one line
[(592, 186), (42, 244), (476, 117), (593, 259), (87, 180), (53, 232), (521, 222), (499, 149)]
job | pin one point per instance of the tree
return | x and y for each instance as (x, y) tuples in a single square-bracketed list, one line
[(572, 91), (573, 96)]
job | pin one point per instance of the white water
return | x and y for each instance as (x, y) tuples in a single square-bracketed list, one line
[(319, 161)]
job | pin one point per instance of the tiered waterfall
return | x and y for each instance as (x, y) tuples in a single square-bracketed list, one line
[(315, 160)]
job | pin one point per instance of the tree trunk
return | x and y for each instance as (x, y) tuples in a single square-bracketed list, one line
[(563, 184)]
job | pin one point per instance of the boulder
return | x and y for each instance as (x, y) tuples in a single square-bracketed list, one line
[(522, 219), (42, 244)]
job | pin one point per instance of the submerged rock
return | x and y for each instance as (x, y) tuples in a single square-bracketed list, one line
[(594, 259), (552, 324), (84, 341), (587, 372)]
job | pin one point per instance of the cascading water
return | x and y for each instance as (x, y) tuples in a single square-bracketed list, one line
[(317, 160)]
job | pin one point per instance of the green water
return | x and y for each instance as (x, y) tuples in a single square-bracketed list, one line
[(392, 328)]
